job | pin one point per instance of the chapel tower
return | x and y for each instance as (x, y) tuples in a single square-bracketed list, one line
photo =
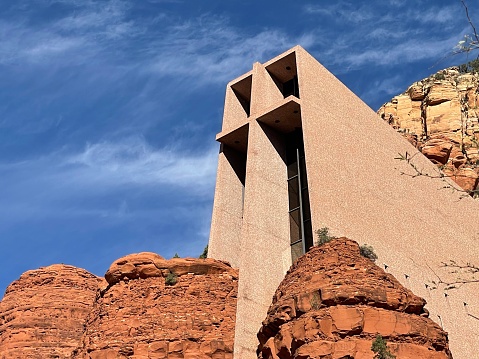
[(299, 151)]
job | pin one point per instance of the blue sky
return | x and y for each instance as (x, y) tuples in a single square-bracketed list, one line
[(108, 109)]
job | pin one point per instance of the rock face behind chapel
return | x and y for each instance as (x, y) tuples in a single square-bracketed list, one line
[(439, 115)]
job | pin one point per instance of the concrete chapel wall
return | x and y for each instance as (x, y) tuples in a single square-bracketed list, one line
[(356, 189), (226, 224), (265, 252)]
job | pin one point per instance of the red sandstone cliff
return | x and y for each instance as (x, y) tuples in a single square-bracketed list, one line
[(332, 304), (65, 312), (43, 312), (440, 116), (140, 316)]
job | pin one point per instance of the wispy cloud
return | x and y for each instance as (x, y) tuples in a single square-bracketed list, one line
[(408, 51), (439, 15), (108, 165), (101, 19), (209, 50), (387, 33), (342, 11), (73, 36), (21, 44), (53, 184), (135, 162)]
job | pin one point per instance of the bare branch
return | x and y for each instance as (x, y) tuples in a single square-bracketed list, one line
[(418, 172), (466, 45), (468, 269), (470, 21)]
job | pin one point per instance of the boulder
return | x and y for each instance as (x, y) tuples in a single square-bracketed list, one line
[(43, 312), (437, 150), (146, 265), (332, 304), (142, 315)]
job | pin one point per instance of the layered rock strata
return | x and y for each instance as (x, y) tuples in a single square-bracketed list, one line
[(156, 308), (440, 116), (332, 304), (43, 312)]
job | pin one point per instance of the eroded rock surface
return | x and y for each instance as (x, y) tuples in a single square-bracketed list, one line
[(440, 116), (43, 312), (332, 304), (140, 316)]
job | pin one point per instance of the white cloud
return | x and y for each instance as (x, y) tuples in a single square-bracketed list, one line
[(19, 43), (206, 49), (342, 12), (134, 162), (319, 9), (396, 3), (106, 20), (402, 52), (102, 179), (439, 15), (74, 38), (210, 50), (386, 33), (106, 166)]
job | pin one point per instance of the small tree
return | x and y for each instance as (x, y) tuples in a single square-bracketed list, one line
[(368, 252), (323, 236), (470, 67), (380, 348), (176, 255), (171, 279), (204, 255)]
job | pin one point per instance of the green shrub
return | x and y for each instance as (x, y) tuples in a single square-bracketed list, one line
[(368, 252), (176, 255), (171, 279), (323, 236), (380, 348), (439, 76), (471, 66), (205, 253)]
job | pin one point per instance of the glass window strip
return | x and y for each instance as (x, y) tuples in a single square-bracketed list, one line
[(300, 230)]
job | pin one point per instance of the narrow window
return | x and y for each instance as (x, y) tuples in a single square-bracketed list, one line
[(291, 88), (301, 237)]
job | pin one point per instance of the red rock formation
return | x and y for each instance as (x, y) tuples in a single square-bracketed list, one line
[(139, 316), (439, 115), (332, 304), (43, 312)]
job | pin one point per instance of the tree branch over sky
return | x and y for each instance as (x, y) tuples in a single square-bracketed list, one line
[(470, 42)]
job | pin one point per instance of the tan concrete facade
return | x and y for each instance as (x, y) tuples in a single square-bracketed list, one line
[(356, 189)]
